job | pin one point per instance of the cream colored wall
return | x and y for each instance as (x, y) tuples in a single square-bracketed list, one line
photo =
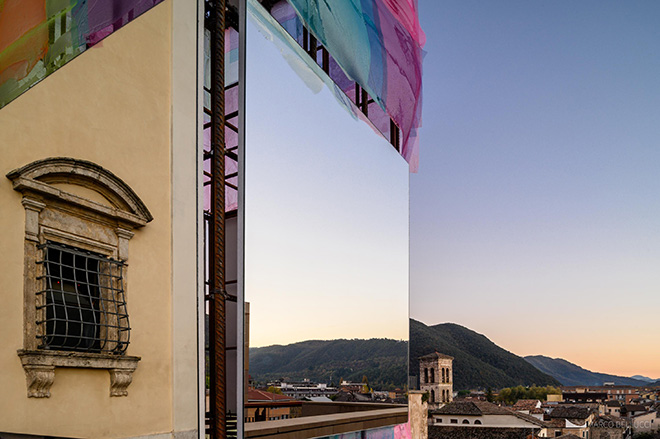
[(188, 372), (112, 106)]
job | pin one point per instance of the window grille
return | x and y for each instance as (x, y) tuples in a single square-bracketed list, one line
[(81, 306)]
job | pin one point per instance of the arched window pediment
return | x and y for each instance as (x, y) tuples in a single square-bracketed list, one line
[(42, 177)]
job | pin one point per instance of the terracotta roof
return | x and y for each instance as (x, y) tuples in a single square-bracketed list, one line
[(530, 418), (459, 408), (526, 404), (435, 355), (557, 423), (568, 436), (570, 412), (254, 395)]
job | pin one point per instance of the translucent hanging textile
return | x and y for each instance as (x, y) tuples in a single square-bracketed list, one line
[(401, 431), (304, 66), (38, 37), (231, 114), (377, 43)]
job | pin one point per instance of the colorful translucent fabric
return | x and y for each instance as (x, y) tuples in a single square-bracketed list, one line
[(38, 37), (377, 43), (401, 431), (231, 110)]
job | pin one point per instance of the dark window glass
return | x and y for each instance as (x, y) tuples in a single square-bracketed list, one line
[(82, 303)]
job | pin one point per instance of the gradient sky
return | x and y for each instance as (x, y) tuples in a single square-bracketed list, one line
[(535, 214), (326, 246)]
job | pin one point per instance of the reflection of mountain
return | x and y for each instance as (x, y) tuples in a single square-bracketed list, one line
[(383, 361), (570, 374), (478, 362)]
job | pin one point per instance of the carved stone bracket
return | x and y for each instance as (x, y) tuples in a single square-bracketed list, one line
[(40, 367), (120, 379), (39, 379)]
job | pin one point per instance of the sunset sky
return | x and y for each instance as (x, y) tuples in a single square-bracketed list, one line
[(326, 245), (535, 216)]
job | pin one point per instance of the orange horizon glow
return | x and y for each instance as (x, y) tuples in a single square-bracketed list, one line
[(601, 352)]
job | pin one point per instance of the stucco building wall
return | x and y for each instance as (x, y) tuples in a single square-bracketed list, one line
[(125, 105)]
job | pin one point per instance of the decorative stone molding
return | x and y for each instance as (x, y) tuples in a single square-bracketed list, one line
[(57, 211), (38, 177), (40, 367), (32, 209)]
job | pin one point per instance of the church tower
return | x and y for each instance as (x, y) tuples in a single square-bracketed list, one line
[(436, 377)]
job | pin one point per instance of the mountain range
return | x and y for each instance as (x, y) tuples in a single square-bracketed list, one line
[(570, 374), (382, 361), (478, 362), (643, 378)]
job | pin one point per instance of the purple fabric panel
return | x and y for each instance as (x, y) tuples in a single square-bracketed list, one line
[(231, 166), (404, 77), (104, 16)]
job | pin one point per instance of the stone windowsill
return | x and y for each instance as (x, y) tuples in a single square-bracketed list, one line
[(39, 366)]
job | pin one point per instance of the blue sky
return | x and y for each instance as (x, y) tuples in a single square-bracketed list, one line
[(535, 215)]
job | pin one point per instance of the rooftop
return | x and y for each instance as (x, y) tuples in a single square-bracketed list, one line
[(254, 395), (527, 404), (570, 412), (435, 355), (480, 408)]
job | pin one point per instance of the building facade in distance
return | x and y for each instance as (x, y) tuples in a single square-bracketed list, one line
[(436, 378)]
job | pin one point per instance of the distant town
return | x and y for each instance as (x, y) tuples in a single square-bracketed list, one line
[(286, 400), (607, 411)]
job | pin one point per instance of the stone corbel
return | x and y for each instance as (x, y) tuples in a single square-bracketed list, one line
[(40, 367), (39, 379), (120, 379)]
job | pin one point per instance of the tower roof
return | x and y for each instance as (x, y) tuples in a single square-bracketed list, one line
[(436, 355)]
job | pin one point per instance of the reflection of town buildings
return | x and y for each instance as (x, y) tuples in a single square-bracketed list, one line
[(436, 378), (267, 406), (304, 389)]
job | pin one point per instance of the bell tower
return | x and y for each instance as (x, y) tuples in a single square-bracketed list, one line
[(436, 378)]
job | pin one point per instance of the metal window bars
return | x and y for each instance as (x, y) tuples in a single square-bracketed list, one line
[(81, 306)]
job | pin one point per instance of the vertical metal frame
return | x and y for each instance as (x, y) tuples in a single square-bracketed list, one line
[(201, 230), (216, 250), (241, 352), (212, 262)]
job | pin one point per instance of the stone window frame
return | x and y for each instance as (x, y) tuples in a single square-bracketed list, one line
[(53, 213)]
